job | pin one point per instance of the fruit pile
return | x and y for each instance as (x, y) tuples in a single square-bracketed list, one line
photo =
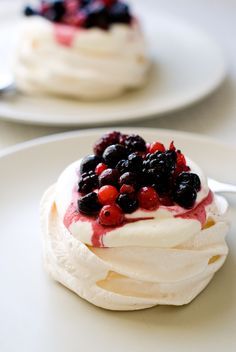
[(125, 173), (83, 13)]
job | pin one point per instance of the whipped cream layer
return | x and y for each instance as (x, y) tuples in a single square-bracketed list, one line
[(168, 259), (80, 63)]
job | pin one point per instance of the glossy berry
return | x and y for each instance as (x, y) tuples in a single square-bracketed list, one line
[(100, 168), (185, 196), (106, 140), (156, 146), (111, 215), (29, 11), (89, 204), (107, 194), (88, 182), (135, 143), (135, 162), (128, 202), (190, 179), (122, 166), (109, 177), (120, 13), (129, 178), (113, 154), (89, 163), (148, 198), (97, 15), (127, 189)]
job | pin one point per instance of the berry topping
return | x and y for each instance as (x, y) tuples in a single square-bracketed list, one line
[(89, 204), (135, 143), (156, 146), (127, 189), (111, 215), (190, 179), (185, 195), (148, 198), (89, 163), (127, 173), (100, 168), (109, 177), (113, 154), (128, 202), (106, 140), (88, 182), (83, 13), (107, 194)]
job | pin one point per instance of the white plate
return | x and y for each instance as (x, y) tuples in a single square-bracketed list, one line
[(188, 65), (38, 314)]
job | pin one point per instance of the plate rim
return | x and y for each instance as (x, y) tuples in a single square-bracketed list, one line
[(55, 137), (133, 114)]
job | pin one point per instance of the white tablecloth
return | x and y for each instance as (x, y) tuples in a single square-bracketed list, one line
[(215, 116)]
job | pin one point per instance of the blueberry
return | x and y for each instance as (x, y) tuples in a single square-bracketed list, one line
[(120, 13), (88, 182), (190, 179), (113, 154), (135, 162), (122, 166), (29, 11), (109, 177), (129, 178), (128, 202), (89, 163), (185, 195), (97, 16), (89, 204)]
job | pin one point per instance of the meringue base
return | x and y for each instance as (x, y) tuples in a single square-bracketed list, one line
[(135, 277)]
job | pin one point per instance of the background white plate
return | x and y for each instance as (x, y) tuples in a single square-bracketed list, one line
[(38, 314), (188, 65)]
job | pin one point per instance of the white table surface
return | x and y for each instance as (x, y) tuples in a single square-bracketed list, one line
[(215, 116)]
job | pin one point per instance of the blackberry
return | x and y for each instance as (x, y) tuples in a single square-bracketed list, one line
[(185, 195), (161, 182), (135, 143), (109, 177), (190, 179), (129, 178), (106, 140), (113, 154), (135, 162), (88, 182), (120, 13), (89, 163), (122, 166), (89, 204), (128, 202), (97, 16)]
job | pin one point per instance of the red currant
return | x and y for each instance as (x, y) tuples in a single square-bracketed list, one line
[(156, 146), (126, 189), (148, 198), (111, 215), (107, 194), (100, 168)]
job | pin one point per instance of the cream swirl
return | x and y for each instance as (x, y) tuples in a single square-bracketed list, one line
[(168, 259), (81, 63)]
